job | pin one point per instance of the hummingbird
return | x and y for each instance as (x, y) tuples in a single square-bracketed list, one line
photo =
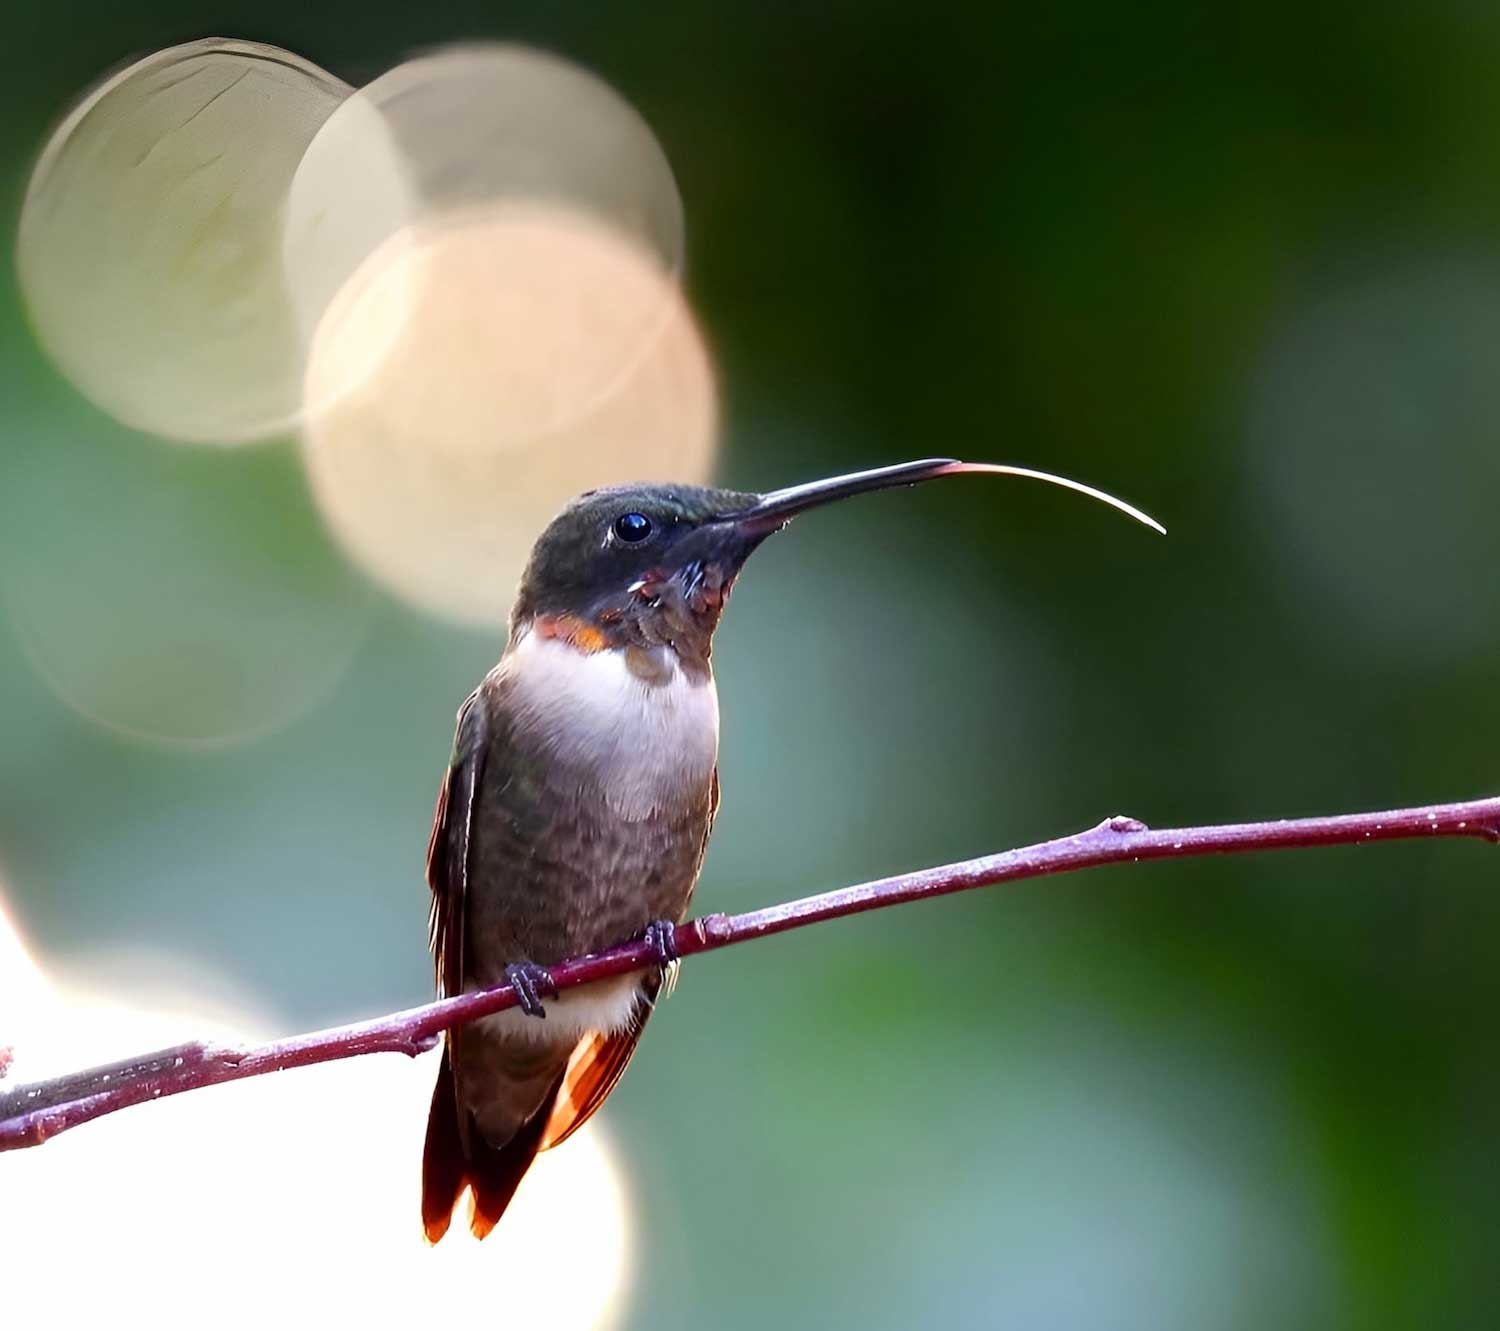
[(577, 806)]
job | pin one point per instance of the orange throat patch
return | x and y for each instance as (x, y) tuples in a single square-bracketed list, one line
[(577, 633)]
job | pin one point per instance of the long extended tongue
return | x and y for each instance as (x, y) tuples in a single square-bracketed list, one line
[(781, 505)]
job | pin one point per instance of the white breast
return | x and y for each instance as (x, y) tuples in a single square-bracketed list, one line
[(645, 742), (604, 1005)]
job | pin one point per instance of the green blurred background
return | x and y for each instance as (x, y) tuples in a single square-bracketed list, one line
[(1240, 266)]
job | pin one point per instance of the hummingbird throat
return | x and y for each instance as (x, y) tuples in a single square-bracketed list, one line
[(675, 612)]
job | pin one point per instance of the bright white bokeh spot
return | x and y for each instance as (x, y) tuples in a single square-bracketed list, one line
[(293, 1196), (438, 471), (150, 251)]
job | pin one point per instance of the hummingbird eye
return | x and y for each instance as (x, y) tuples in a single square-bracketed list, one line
[(632, 528)]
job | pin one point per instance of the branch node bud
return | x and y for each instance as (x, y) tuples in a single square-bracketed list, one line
[(713, 928), (1123, 823)]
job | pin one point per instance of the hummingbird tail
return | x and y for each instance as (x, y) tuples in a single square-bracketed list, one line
[(443, 1158), (495, 1173), (457, 1156)]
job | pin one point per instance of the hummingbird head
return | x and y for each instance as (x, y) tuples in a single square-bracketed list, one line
[(652, 565)]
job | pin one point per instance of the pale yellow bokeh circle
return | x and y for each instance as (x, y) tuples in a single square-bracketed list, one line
[(353, 190), (463, 282), (437, 472), (150, 242), (479, 129), (483, 123)]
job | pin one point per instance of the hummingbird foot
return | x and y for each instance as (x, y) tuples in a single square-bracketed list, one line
[(661, 936), (530, 982)]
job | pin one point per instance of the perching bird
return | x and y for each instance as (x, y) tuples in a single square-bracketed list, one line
[(577, 807)]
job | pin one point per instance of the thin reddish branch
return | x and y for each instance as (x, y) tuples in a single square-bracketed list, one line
[(29, 1115)]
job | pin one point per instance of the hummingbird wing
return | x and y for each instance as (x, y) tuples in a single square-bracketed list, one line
[(448, 847), (454, 1158)]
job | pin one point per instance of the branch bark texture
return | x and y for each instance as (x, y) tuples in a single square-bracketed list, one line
[(30, 1114)]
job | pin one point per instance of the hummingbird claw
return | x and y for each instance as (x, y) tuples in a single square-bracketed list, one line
[(662, 937), (530, 982)]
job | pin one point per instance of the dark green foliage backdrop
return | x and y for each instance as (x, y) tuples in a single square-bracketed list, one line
[(1240, 266)]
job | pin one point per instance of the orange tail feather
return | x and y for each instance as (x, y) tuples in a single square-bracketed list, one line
[(456, 1157)]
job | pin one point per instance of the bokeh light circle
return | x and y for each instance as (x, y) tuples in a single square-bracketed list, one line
[(478, 128), (150, 250), (462, 282), (437, 473), (352, 191)]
